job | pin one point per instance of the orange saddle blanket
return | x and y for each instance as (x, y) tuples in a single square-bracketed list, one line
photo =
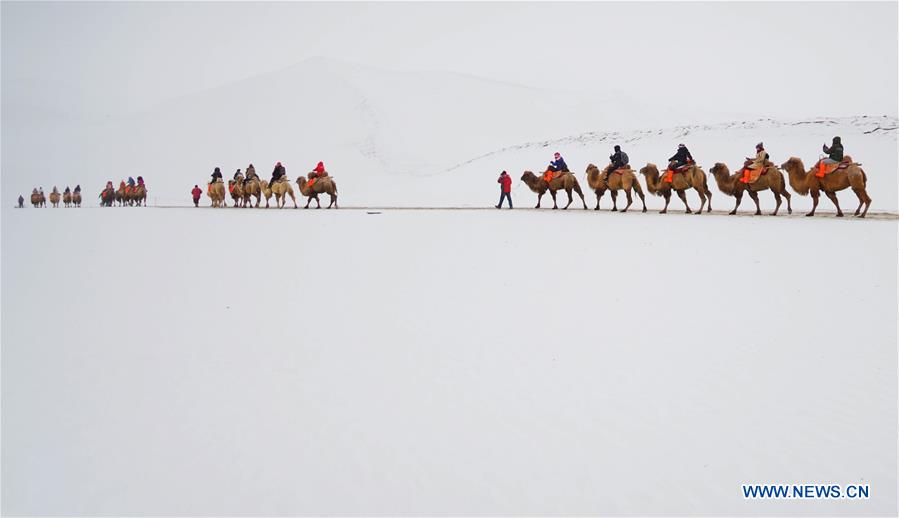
[(822, 169)]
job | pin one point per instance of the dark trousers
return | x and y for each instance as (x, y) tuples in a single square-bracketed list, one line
[(505, 196), (196, 202)]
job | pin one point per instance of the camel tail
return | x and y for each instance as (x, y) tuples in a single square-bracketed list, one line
[(638, 187)]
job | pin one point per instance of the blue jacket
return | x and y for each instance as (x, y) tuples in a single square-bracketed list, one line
[(559, 164)]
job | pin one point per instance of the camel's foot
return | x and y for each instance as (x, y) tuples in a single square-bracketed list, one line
[(758, 213), (839, 214), (537, 207), (860, 216), (623, 211), (615, 209), (597, 208), (731, 213), (688, 211), (664, 211), (810, 214), (644, 209), (554, 208), (789, 211), (774, 213)]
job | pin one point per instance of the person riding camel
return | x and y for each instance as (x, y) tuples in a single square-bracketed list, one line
[(55, 190), (278, 173), (757, 164), (681, 158), (238, 176), (140, 181), (67, 191), (251, 173), (216, 175), (556, 165), (130, 181), (34, 191), (317, 173), (618, 160), (77, 188), (834, 156)]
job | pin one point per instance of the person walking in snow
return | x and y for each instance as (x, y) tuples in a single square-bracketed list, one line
[(21, 202), (196, 192), (505, 189)]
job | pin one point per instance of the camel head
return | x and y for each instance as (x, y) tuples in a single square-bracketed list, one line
[(528, 176), (592, 169), (720, 169), (793, 164), (649, 169)]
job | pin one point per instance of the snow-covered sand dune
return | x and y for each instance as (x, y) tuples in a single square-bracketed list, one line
[(443, 362)]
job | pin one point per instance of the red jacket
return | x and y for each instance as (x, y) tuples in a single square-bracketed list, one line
[(196, 192), (506, 181), (320, 168)]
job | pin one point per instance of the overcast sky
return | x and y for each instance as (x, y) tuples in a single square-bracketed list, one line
[(765, 58)]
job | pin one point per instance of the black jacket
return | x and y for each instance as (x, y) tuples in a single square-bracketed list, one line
[(618, 159), (682, 155), (835, 152), (216, 175), (278, 173)]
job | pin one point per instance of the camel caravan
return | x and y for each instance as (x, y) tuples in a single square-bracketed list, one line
[(131, 193), (834, 172), (246, 186)]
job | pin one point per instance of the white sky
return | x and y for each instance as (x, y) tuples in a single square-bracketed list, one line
[(776, 59)]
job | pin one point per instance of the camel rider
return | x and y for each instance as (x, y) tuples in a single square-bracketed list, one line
[(109, 184), (761, 156), (618, 160), (278, 173), (77, 188), (319, 171), (834, 152), (67, 191), (34, 191), (140, 181), (238, 177), (55, 190), (130, 181), (216, 175), (558, 164), (681, 158), (251, 173)]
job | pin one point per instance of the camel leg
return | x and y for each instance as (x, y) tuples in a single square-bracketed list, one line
[(317, 202), (568, 192), (786, 195), (577, 189), (539, 197), (739, 196), (755, 197), (599, 194), (701, 199), (614, 195), (815, 194), (833, 197), (292, 197), (683, 197), (630, 200), (777, 200), (862, 196), (667, 201), (308, 201), (553, 194)]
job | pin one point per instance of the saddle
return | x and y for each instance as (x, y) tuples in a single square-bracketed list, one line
[(669, 173), (753, 175), (549, 176), (619, 170), (822, 169)]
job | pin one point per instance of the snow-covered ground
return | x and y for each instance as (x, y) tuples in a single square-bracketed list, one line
[(184, 361)]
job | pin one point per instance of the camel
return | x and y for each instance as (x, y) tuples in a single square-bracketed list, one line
[(139, 195), (236, 190), (325, 184), (120, 196), (693, 177), (566, 181), (54, 198), (108, 197), (252, 187), (732, 186), (266, 191), (281, 190), (625, 181), (76, 198), (38, 200), (805, 183), (67, 198), (216, 192)]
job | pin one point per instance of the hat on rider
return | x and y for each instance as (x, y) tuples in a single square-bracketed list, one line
[(760, 146), (617, 147), (556, 154)]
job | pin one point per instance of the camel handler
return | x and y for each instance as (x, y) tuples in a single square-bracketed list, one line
[(278, 173), (505, 189), (196, 192), (21, 202), (756, 164), (618, 160)]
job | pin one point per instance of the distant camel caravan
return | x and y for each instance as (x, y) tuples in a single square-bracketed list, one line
[(561, 180)]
